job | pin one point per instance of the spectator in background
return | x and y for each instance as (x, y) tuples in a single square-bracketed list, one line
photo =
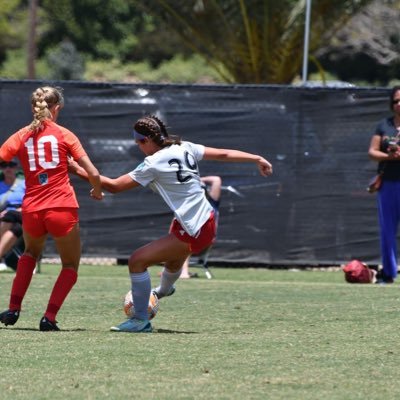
[(171, 169), (212, 187), (12, 191), (385, 150), (50, 205)]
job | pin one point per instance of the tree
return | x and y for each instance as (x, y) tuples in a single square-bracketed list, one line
[(256, 41), (102, 29), (12, 26), (65, 62), (364, 54), (32, 48)]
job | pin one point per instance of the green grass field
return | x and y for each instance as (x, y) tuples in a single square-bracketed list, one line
[(247, 334)]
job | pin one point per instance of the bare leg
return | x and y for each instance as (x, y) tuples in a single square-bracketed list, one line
[(7, 241), (34, 246), (185, 269), (4, 226), (69, 248), (168, 249)]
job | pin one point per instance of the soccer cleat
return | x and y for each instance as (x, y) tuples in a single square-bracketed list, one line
[(9, 317), (46, 325), (133, 325), (160, 296), (3, 267)]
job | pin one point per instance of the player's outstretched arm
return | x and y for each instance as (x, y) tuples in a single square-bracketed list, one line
[(112, 185), (230, 155), (93, 177)]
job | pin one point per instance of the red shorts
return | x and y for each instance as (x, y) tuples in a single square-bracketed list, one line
[(204, 238), (56, 221)]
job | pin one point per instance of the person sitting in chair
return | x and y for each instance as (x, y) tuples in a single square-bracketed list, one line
[(12, 191), (212, 186)]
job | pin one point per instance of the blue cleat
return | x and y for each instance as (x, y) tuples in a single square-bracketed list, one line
[(133, 325)]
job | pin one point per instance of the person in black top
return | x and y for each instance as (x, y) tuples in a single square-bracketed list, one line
[(385, 150)]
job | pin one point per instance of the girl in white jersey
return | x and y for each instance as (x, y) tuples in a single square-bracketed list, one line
[(171, 169)]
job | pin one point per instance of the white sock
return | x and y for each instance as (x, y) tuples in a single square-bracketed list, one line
[(168, 279), (141, 289)]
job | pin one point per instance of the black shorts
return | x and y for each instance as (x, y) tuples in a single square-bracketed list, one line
[(14, 217)]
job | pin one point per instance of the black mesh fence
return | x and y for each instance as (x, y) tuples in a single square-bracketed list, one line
[(315, 208)]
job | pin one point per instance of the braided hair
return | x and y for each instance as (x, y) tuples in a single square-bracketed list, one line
[(155, 129), (42, 100)]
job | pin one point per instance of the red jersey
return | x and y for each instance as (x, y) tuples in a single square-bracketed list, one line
[(43, 156)]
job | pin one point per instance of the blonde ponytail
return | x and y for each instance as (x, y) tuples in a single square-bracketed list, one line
[(42, 100)]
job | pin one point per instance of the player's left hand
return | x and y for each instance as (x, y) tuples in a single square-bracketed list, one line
[(73, 166)]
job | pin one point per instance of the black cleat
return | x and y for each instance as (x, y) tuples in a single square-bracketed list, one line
[(382, 279), (9, 317), (160, 296), (47, 325)]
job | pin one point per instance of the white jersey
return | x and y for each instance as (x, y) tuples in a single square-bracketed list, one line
[(173, 173)]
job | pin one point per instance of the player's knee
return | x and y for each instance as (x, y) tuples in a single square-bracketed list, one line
[(70, 265), (31, 254), (137, 263)]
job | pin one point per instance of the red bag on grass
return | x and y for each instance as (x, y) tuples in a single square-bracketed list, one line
[(358, 272)]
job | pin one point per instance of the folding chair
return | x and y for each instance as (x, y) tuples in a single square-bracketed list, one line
[(201, 260)]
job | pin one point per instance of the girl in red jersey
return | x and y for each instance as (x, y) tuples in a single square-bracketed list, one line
[(50, 205)]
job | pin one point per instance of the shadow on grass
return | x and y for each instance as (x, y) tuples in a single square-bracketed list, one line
[(174, 332), (37, 330), (167, 331)]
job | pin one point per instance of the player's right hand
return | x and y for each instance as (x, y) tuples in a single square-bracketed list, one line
[(97, 195)]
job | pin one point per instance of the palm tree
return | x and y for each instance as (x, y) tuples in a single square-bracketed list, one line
[(253, 41)]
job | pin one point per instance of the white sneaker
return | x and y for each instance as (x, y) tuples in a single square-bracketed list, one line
[(3, 267)]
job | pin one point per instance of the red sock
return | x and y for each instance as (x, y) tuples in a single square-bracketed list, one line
[(23, 277), (65, 282)]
